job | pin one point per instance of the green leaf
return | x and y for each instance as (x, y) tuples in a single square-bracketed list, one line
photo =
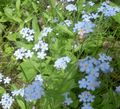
[(60, 15), (108, 106), (67, 85), (17, 19), (28, 18), (1, 14), (46, 15), (8, 12), (25, 45), (2, 90), (34, 7), (35, 26), (65, 29), (4, 19), (2, 27), (117, 18), (18, 5), (29, 70), (12, 37), (21, 104), (79, 5)]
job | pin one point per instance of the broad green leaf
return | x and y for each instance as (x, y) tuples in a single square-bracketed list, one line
[(29, 70), (35, 26), (21, 104), (1, 14), (2, 27), (23, 44), (8, 12), (18, 5), (2, 90), (67, 85), (17, 19), (4, 19), (60, 15), (46, 15), (64, 29), (12, 37), (29, 18), (117, 18), (34, 7)]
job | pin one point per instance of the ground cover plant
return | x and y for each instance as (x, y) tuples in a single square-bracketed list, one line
[(59, 54)]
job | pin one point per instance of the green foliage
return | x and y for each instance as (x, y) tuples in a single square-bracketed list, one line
[(16, 14)]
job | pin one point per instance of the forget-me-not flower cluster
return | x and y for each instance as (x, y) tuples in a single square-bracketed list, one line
[(62, 62), (67, 1), (42, 47), (91, 3), (67, 23), (68, 99), (117, 89), (18, 92), (87, 98), (71, 7), (27, 34), (23, 53), (39, 48), (92, 68), (108, 10), (5, 80), (86, 26), (87, 106), (6, 101), (45, 31), (33, 91), (89, 16)]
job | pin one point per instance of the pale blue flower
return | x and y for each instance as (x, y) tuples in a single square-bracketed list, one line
[(6, 101), (108, 10), (86, 26), (105, 67), (71, 7), (83, 83), (28, 34), (104, 57), (91, 3), (68, 99), (92, 85), (95, 72), (89, 16), (33, 91), (55, 20), (87, 106), (117, 89), (86, 97), (86, 66), (67, 23), (92, 68), (62, 62)]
